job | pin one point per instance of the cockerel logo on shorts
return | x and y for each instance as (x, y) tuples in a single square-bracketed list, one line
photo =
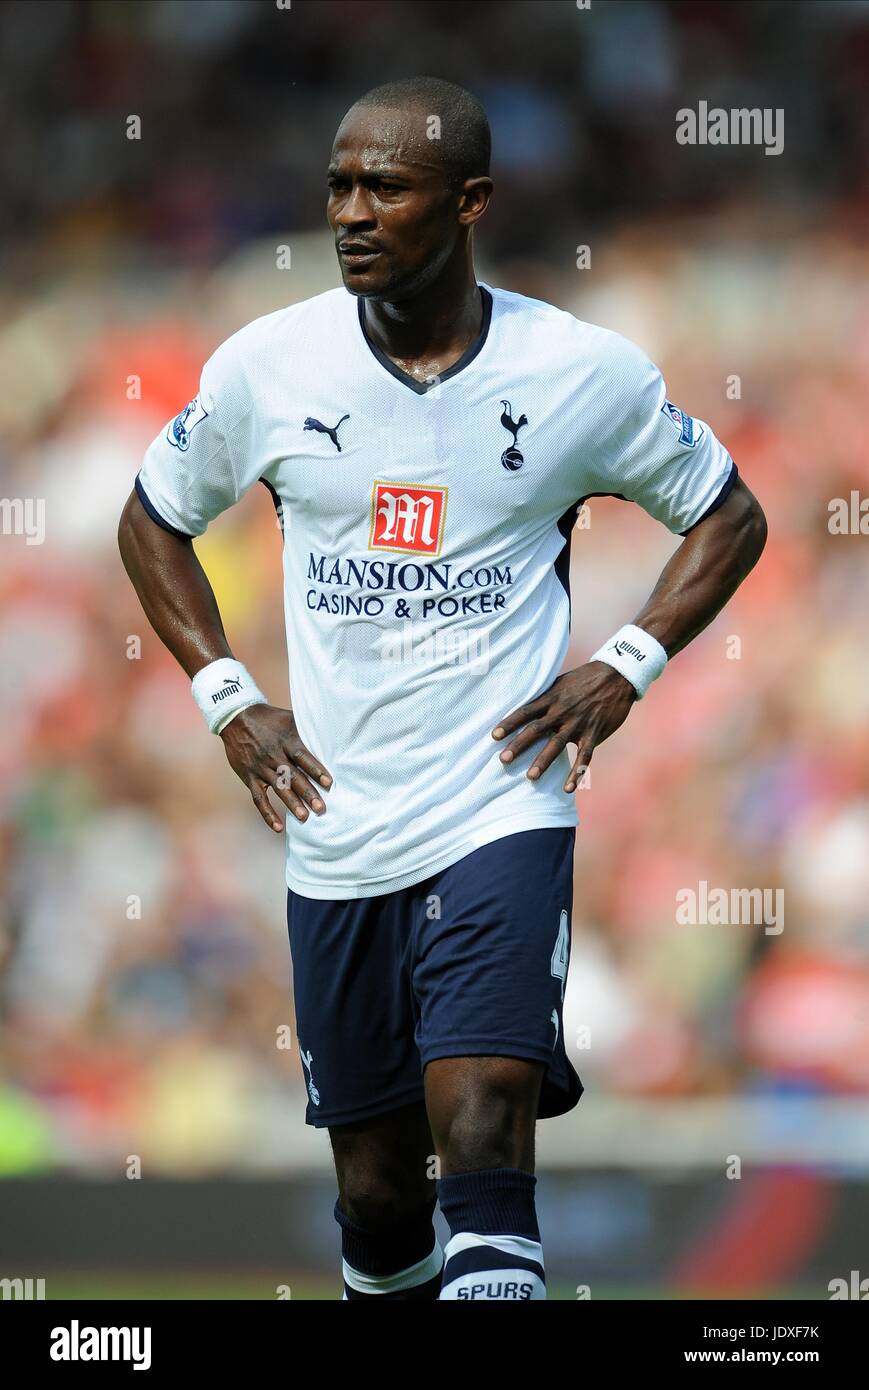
[(306, 1063)]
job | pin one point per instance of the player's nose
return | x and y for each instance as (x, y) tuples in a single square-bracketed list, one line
[(356, 210)]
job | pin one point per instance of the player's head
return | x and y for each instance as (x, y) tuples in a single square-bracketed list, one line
[(408, 178)]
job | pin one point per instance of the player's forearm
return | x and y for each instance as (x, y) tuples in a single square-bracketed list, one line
[(173, 589), (705, 571)]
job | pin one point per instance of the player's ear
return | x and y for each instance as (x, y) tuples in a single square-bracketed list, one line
[(474, 199)]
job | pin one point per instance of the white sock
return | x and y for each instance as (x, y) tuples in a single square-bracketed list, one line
[(493, 1268), (414, 1277)]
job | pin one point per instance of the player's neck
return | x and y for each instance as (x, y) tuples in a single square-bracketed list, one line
[(431, 331)]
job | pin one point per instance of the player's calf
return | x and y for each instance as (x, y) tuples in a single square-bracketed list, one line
[(385, 1207), (401, 1261), (483, 1111)]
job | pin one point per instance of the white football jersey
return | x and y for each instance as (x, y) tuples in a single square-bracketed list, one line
[(426, 546)]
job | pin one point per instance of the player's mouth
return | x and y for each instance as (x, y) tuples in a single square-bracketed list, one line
[(357, 255)]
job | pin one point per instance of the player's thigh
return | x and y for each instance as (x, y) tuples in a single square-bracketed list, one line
[(385, 1166), (489, 977), (483, 1111), (354, 1009)]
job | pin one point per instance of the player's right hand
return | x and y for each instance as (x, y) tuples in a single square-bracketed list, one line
[(264, 749)]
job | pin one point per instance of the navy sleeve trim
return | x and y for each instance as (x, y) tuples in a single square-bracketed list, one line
[(722, 497), (155, 515), (276, 499)]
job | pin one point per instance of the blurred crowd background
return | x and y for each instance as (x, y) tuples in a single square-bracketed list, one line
[(146, 980)]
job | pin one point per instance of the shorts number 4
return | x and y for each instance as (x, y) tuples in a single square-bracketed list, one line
[(561, 952)]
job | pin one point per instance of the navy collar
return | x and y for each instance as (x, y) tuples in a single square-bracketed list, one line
[(421, 387)]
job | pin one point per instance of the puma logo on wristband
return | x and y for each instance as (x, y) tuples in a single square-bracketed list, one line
[(229, 687), (636, 655), (222, 689), (625, 649)]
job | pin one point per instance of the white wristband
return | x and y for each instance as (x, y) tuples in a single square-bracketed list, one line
[(639, 657), (222, 689)]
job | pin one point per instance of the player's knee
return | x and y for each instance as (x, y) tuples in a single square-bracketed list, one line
[(376, 1191), (380, 1204), (384, 1169)]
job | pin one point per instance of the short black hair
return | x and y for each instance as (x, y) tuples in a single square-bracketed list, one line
[(465, 140)]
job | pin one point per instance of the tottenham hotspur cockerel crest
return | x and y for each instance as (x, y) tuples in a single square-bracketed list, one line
[(512, 457)]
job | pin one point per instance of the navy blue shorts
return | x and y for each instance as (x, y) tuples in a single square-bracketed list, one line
[(470, 962)]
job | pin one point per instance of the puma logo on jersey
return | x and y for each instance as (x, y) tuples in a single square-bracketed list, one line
[(331, 430), (512, 458)]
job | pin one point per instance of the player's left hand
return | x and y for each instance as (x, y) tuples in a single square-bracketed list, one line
[(583, 707)]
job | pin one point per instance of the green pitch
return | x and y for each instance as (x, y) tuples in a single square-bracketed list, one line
[(234, 1287)]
